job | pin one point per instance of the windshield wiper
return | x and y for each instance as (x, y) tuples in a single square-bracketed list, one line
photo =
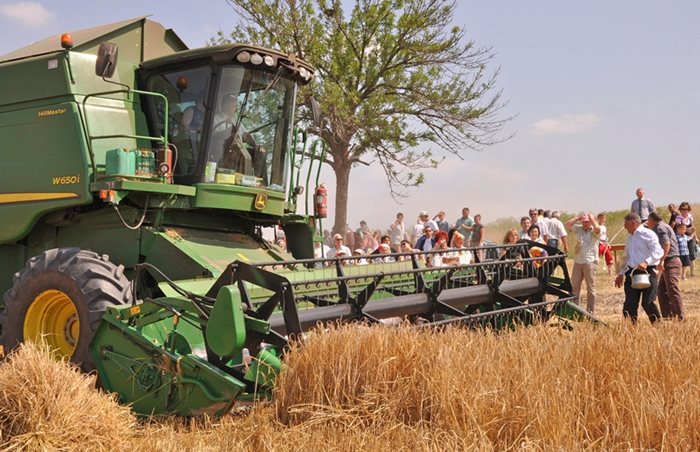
[(243, 107), (275, 79)]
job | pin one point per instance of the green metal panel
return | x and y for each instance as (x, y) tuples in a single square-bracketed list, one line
[(157, 41), (43, 166), (264, 370), (155, 378), (33, 79), (12, 259), (226, 326), (190, 253), (119, 243), (144, 187), (237, 197)]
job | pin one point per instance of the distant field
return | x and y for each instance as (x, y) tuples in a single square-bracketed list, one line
[(358, 388)]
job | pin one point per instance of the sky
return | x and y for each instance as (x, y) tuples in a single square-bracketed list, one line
[(604, 96)]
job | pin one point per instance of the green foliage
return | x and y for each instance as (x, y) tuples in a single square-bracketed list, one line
[(394, 76)]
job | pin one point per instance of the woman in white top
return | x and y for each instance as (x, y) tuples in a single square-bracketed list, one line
[(458, 256)]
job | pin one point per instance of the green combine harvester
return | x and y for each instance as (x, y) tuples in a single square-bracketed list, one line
[(134, 192)]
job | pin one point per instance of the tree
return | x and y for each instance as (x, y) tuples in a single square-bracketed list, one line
[(392, 78)]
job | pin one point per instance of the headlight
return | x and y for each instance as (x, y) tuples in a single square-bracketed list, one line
[(243, 57), (256, 58), (269, 61)]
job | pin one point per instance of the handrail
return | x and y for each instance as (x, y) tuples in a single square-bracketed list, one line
[(308, 175), (292, 162), (103, 94)]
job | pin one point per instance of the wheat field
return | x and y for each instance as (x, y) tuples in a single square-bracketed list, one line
[(354, 388)]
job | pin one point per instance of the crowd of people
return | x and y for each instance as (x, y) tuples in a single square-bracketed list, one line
[(427, 234), (657, 257), (664, 253)]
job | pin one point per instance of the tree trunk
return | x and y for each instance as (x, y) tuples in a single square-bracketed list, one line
[(342, 184)]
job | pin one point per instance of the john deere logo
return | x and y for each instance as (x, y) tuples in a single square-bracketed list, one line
[(260, 201)]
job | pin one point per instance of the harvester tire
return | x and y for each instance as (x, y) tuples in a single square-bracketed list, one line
[(60, 296)]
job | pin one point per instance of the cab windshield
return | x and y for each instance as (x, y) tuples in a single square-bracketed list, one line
[(251, 128), (239, 134)]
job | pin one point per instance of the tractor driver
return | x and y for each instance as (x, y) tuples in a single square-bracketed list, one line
[(239, 146)]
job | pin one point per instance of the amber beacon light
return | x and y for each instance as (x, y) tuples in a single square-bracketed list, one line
[(66, 41)]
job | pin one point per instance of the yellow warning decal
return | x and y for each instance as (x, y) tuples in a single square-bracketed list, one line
[(243, 257)]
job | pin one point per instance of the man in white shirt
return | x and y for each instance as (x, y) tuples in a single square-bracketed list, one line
[(397, 232), (525, 224), (338, 249), (585, 256), (541, 224), (320, 251), (642, 254), (428, 222), (557, 233)]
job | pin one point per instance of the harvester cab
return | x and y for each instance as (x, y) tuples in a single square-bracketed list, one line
[(132, 242)]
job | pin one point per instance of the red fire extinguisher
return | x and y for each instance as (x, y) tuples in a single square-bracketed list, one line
[(321, 201)]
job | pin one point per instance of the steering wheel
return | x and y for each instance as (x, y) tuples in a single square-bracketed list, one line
[(221, 123)]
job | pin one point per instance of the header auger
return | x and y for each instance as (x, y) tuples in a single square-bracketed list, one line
[(133, 241)]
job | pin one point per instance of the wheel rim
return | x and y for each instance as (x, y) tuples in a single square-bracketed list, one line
[(53, 319)]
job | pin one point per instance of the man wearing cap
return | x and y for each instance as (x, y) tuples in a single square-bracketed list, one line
[(465, 224), (430, 222), (420, 224), (338, 249), (642, 254), (586, 230), (669, 269), (359, 253)]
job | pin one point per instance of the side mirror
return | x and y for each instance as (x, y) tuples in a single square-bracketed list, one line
[(106, 59), (316, 113)]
